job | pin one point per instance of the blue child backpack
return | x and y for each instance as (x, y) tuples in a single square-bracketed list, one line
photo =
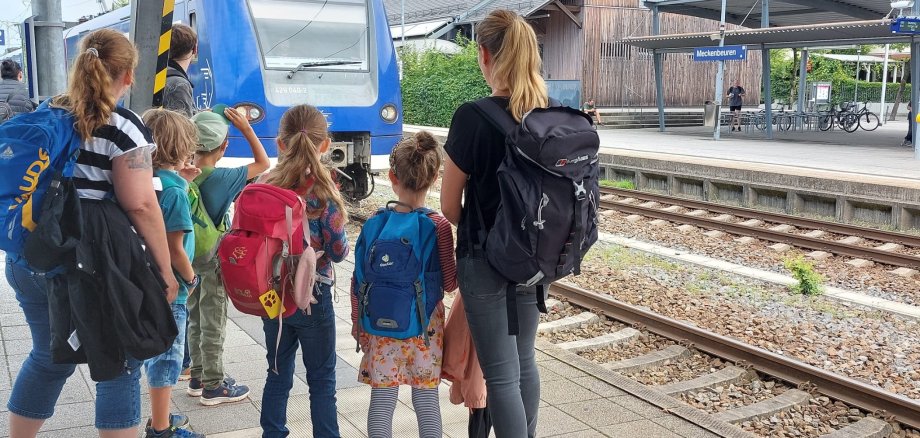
[(398, 279), (35, 148)]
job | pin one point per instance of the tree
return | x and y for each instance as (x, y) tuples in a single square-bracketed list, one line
[(120, 3)]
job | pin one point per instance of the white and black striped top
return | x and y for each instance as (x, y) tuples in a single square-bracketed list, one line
[(93, 172)]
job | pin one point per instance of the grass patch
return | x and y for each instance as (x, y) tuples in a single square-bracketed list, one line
[(626, 184)]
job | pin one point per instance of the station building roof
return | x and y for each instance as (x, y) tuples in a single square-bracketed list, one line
[(826, 34), (783, 13)]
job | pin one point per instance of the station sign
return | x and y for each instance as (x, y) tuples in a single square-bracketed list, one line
[(906, 25), (726, 53)]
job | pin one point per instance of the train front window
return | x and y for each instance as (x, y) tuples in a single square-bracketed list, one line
[(312, 34)]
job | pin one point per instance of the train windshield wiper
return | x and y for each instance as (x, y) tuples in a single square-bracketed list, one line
[(307, 65)]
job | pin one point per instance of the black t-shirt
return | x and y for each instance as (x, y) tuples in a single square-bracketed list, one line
[(477, 148)]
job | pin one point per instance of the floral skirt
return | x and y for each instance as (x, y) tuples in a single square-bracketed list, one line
[(391, 362)]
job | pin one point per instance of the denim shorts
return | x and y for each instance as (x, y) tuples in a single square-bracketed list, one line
[(118, 401), (163, 370)]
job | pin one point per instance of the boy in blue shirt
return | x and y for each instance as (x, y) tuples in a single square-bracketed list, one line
[(208, 307), (175, 139)]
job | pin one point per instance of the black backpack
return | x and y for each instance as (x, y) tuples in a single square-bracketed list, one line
[(548, 183)]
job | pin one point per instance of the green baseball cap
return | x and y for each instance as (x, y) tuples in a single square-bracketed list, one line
[(212, 128)]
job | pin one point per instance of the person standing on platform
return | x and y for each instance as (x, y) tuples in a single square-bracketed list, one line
[(909, 138), (13, 91), (177, 95), (389, 363), (510, 62), (302, 139), (735, 100), (115, 164)]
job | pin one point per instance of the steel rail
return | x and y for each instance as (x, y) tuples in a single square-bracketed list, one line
[(845, 389), (855, 251), (801, 222)]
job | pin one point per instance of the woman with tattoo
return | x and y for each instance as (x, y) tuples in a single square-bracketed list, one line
[(114, 163)]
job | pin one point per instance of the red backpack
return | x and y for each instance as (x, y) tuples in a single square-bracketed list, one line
[(258, 257)]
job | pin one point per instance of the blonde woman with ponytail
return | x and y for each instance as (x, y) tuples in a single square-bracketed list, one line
[(114, 163), (302, 138), (510, 63)]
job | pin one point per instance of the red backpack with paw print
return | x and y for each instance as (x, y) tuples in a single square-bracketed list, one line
[(260, 254)]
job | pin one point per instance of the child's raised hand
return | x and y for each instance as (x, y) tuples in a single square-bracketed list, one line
[(189, 172), (239, 121)]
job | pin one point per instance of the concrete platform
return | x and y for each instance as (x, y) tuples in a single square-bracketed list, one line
[(574, 399), (863, 177)]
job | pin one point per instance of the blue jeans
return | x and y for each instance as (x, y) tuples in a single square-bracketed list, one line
[(40, 381), (163, 370), (316, 335), (508, 362)]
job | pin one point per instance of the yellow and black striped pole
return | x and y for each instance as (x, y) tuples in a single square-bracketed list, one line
[(159, 85), (151, 32)]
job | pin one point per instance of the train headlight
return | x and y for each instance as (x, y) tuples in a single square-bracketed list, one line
[(388, 113), (250, 111)]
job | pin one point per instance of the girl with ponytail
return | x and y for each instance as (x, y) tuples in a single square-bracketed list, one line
[(388, 363), (114, 163), (510, 63), (302, 138)]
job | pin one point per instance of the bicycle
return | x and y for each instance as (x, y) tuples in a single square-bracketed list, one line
[(781, 119), (844, 118), (867, 120)]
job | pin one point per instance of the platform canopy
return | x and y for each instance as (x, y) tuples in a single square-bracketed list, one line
[(826, 34), (782, 12)]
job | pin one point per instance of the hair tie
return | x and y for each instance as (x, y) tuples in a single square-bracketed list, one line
[(304, 132), (93, 51)]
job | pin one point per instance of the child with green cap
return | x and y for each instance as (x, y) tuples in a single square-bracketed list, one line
[(217, 188)]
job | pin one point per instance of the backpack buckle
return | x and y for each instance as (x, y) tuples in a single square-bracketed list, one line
[(580, 192)]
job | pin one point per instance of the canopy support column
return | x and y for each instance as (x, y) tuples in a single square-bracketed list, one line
[(659, 79), (803, 81), (720, 78), (915, 82), (767, 81)]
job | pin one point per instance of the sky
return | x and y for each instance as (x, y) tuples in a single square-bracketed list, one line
[(19, 10)]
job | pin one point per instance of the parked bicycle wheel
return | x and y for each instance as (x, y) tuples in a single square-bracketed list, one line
[(869, 121), (784, 122), (825, 121), (850, 122)]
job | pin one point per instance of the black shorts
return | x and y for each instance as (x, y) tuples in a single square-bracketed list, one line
[(735, 108)]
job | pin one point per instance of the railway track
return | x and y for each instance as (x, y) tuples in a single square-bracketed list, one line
[(868, 398), (651, 206)]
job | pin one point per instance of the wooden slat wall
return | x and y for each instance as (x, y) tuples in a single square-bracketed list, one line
[(631, 82), (563, 53)]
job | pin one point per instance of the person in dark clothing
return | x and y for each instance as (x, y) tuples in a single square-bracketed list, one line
[(736, 98), (909, 138), (12, 90), (177, 95)]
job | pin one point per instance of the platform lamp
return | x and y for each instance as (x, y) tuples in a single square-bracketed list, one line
[(901, 5)]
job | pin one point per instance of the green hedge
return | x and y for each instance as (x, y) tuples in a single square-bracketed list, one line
[(435, 84)]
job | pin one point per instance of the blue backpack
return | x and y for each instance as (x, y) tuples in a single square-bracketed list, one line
[(35, 148), (398, 279)]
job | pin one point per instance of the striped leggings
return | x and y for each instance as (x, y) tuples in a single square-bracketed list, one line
[(383, 405)]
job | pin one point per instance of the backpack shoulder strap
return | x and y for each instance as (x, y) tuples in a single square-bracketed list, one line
[(205, 174), (495, 114)]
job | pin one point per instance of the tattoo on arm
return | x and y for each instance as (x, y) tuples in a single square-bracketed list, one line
[(139, 158)]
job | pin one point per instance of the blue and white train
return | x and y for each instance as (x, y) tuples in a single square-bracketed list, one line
[(264, 56)]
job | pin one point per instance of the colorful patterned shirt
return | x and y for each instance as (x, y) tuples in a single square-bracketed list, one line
[(327, 233)]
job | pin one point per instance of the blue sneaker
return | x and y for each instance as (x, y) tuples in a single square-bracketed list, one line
[(195, 387), (176, 421), (172, 432), (224, 394)]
